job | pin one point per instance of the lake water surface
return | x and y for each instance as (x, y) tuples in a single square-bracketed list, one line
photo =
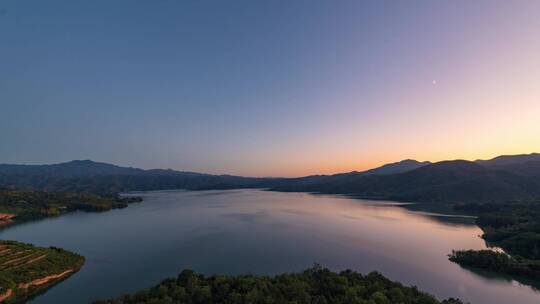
[(261, 232)]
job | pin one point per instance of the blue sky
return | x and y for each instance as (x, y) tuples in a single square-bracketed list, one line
[(267, 87)]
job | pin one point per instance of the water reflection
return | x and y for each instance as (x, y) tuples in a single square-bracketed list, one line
[(252, 231)]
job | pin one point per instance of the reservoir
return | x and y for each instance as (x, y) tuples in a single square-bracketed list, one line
[(263, 232)]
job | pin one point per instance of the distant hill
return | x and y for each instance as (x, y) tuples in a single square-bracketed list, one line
[(103, 178), (391, 168), (505, 160), (447, 181), (500, 179), (90, 176), (530, 169), (75, 168), (523, 164), (399, 167)]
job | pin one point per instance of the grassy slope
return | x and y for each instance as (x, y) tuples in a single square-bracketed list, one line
[(23, 264)]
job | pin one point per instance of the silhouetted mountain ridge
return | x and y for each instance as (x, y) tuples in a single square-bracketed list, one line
[(503, 178), (70, 169), (446, 181), (505, 160), (90, 176), (522, 164), (398, 167)]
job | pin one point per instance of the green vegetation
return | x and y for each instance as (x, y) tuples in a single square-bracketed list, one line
[(23, 205), (315, 285), (498, 262), (26, 270), (515, 227)]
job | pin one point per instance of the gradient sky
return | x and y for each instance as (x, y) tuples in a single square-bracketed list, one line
[(267, 88)]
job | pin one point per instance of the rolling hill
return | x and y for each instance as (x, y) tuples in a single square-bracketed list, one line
[(446, 181), (503, 178), (505, 160), (103, 178)]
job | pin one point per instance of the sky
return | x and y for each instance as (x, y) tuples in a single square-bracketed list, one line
[(267, 88)]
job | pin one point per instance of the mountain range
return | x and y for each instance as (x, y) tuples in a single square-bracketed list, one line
[(503, 178)]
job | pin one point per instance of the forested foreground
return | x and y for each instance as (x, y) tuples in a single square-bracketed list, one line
[(18, 205), (315, 285), (26, 270), (515, 227)]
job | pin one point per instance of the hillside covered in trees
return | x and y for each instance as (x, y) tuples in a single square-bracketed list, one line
[(515, 227), (442, 182), (106, 179), (501, 179), (18, 205), (315, 285), (27, 270)]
